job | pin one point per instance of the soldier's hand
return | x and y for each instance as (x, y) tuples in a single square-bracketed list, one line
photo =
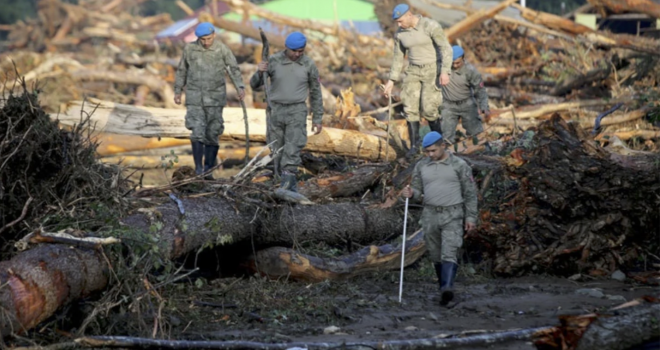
[(387, 88), (241, 93), (444, 79), (177, 99), (407, 192), (263, 66), (470, 226), (316, 128)]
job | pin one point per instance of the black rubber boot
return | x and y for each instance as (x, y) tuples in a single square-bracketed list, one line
[(436, 125), (413, 133), (289, 181), (438, 272), (210, 159), (449, 270), (198, 156)]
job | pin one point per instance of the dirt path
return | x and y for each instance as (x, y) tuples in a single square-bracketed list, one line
[(367, 308)]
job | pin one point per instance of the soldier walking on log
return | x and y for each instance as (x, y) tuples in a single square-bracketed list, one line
[(294, 77), (429, 63), (202, 72)]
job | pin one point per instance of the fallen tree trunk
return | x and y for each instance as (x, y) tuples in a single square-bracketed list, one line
[(133, 161), (41, 280), (410, 344), (344, 185), (217, 221), (278, 262), (553, 21), (647, 7), (117, 118), (37, 282), (541, 110)]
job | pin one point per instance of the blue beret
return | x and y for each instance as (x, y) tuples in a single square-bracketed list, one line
[(400, 10), (204, 29), (458, 51), (295, 41), (431, 138)]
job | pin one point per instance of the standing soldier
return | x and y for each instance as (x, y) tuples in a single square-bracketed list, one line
[(459, 97), (293, 77), (446, 186), (202, 71), (429, 58)]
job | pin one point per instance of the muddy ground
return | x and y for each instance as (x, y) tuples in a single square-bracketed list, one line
[(364, 308)]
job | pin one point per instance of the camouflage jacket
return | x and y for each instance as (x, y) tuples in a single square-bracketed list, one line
[(202, 72), (438, 40), (293, 82), (462, 173)]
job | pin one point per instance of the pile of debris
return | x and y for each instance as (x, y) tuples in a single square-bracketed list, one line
[(50, 176)]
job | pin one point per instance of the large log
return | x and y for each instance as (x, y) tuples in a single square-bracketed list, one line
[(278, 262), (39, 281), (553, 21), (648, 7), (117, 118), (217, 221), (344, 185)]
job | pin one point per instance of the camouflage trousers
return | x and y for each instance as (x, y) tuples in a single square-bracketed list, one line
[(287, 127), (469, 114), (420, 93), (443, 232), (206, 124)]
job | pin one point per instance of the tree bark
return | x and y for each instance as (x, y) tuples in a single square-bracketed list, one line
[(219, 222), (345, 184), (277, 262), (37, 282)]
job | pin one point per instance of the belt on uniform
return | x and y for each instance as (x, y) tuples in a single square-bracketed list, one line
[(441, 209), (460, 102), (422, 65), (286, 104)]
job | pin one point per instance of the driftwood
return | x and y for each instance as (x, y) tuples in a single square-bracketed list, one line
[(117, 118)]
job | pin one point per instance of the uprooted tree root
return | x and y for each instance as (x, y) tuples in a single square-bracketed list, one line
[(49, 176), (568, 206)]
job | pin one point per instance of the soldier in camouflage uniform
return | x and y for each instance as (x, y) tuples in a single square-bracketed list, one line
[(444, 183), (429, 58), (293, 77), (459, 97), (202, 72)]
